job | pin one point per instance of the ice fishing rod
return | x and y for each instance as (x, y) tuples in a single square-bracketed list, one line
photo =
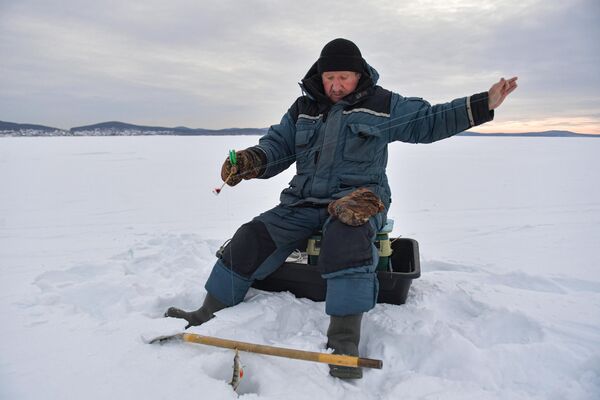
[(233, 161), (326, 358)]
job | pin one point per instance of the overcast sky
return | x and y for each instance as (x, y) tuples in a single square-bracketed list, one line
[(228, 64)]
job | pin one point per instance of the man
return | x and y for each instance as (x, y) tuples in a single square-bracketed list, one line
[(337, 133)]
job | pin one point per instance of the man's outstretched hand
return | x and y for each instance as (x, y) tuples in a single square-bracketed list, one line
[(500, 90)]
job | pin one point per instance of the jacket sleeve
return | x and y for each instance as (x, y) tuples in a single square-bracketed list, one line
[(278, 146), (414, 120)]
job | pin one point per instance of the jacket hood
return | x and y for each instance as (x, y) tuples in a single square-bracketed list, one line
[(313, 87)]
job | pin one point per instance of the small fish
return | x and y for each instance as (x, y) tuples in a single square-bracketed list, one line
[(238, 372)]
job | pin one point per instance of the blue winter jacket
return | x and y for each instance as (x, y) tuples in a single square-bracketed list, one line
[(343, 146)]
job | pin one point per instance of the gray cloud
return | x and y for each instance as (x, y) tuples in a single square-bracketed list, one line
[(223, 64)]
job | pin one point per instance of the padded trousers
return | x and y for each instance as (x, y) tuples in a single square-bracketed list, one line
[(348, 257)]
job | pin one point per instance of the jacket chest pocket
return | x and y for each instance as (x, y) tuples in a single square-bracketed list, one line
[(304, 143), (362, 143)]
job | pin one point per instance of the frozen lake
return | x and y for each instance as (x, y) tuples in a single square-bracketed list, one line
[(98, 235)]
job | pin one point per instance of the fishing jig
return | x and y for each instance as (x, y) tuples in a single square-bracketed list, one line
[(233, 161)]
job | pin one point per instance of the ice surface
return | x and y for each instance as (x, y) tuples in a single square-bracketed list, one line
[(98, 236)]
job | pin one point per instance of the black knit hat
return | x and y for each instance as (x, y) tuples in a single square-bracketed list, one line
[(340, 55)]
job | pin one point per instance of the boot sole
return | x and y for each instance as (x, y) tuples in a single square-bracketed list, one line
[(345, 372)]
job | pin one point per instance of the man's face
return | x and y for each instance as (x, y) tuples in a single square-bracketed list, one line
[(339, 84)]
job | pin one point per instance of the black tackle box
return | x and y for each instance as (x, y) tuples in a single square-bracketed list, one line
[(305, 281)]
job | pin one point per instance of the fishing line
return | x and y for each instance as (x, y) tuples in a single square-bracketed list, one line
[(335, 140), (231, 260), (234, 167)]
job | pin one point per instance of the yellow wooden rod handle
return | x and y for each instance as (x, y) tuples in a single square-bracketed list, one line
[(334, 359)]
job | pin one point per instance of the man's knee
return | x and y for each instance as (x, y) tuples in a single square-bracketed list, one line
[(344, 246), (248, 249)]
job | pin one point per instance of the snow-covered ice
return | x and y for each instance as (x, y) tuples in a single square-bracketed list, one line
[(98, 236)]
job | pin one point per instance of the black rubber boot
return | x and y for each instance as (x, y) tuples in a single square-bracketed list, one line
[(201, 315), (343, 336)]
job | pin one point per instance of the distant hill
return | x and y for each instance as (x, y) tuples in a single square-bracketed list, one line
[(14, 129), (531, 134), (116, 128), (122, 128)]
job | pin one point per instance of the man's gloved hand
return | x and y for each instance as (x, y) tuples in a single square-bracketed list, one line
[(250, 163), (356, 208)]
